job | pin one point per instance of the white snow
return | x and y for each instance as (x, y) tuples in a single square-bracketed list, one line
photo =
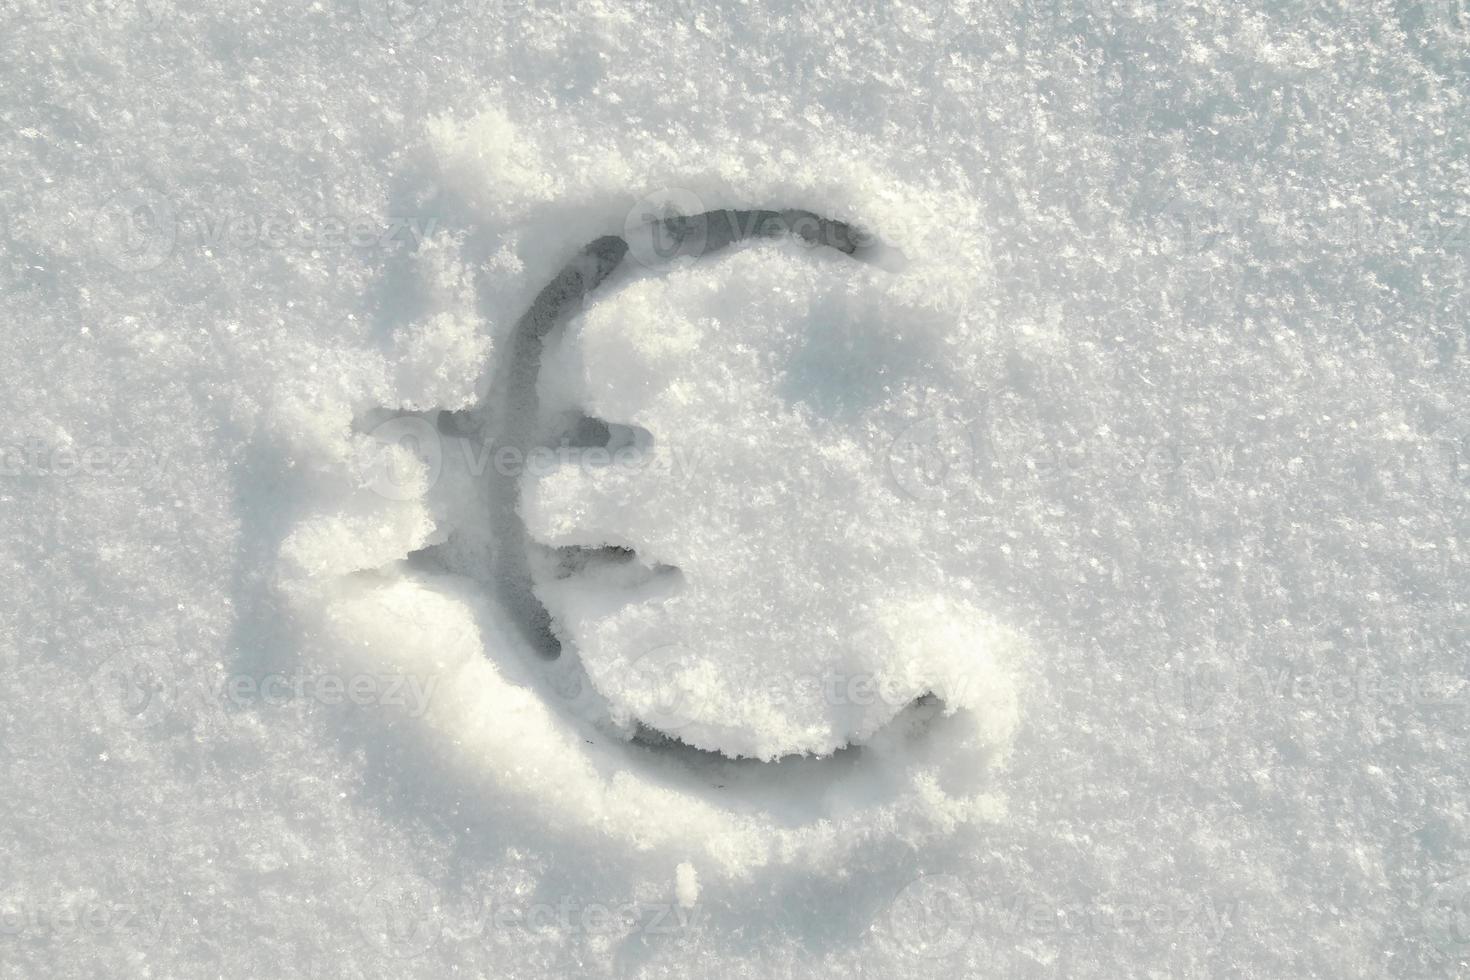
[(686, 885), (795, 570), (1141, 443)]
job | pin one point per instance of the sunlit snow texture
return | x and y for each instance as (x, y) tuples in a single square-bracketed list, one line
[(1071, 581)]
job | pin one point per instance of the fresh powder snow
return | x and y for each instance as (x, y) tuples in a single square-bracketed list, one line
[(655, 489)]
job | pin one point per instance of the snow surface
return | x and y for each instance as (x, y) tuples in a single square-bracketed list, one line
[(1074, 582), (769, 386)]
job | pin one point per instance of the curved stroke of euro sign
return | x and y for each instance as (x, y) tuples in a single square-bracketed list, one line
[(659, 240)]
